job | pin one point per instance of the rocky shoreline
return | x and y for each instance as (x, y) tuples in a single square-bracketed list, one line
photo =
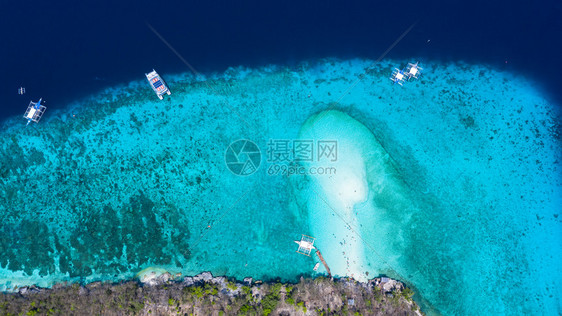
[(164, 294)]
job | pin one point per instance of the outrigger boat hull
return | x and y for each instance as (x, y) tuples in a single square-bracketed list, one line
[(34, 111), (157, 84)]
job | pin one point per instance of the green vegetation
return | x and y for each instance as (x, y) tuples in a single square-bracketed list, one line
[(395, 299), (301, 306), (289, 295), (195, 290), (136, 307), (206, 298), (270, 301), (211, 289), (377, 294), (245, 309), (276, 288), (407, 293), (232, 286)]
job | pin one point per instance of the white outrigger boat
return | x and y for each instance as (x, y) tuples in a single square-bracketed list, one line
[(157, 84), (306, 244), (413, 70), (398, 76), (34, 111)]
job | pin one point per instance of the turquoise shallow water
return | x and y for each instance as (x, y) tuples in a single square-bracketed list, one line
[(459, 186)]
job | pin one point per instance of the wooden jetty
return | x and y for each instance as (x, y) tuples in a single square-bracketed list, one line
[(323, 262)]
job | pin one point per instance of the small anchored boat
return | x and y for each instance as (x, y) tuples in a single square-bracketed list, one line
[(398, 76), (157, 84), (316, 266), (34, 111), (306, 244), (413, 70)]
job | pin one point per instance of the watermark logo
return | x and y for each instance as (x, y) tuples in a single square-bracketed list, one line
[(286, 151), (243, 157), (295, 169), (286, 157)]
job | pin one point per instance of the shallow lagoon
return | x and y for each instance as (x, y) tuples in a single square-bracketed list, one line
[(122, 181)]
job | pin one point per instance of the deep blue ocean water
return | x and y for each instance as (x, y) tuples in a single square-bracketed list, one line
[(67, 50)]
